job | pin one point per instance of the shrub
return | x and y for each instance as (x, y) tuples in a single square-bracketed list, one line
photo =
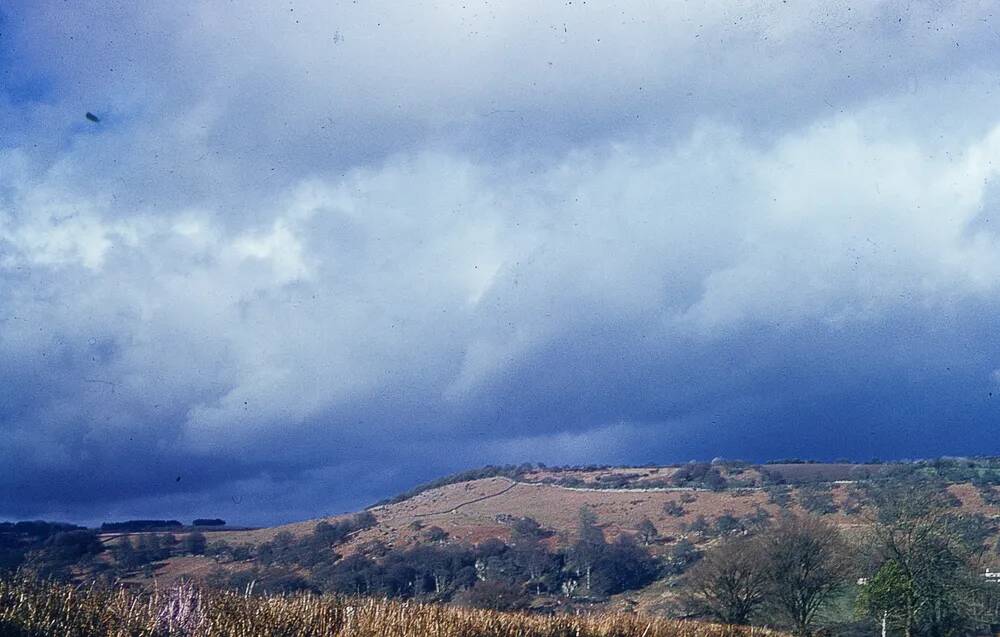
[(209, 522), (495, 596), (195, 543), (673, 508)]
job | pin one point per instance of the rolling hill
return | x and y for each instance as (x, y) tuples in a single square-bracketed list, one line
[(686, 505)]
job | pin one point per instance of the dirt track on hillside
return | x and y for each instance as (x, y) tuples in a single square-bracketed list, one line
[(510, 486)]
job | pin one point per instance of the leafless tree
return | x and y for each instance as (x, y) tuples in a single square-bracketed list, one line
[(647, 531), (807, 563), (789, 573), (729, 583)]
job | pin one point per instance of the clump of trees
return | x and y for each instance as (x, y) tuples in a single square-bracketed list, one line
[(19, 539), (209, 522), (287, 551), (924, 563), (647, 531), (699, 475), (917, 570), (492, 574), (683, 554), (727, 524), (63, 552), (604, 568), (495, 570), (195, 543), (817, 498), (780, 495), (673, 508), (141, 551), (729, 584), (808, 563), (787, 573), (67, 552), (495, 595)]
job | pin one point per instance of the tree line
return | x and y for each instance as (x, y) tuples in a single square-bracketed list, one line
[(914, 568), (502, 575)]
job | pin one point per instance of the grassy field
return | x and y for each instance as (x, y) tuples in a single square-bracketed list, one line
[(30, 608)]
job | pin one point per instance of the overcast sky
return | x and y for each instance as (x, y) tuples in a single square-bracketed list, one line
[(316, 252)]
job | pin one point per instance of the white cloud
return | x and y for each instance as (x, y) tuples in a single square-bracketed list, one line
[(439, 272), (852, 222)]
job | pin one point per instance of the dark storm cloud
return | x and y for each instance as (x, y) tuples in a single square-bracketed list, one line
[(311, 254)]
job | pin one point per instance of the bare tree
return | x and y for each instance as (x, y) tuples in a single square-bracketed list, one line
[(647, 531), (807, 564), (792, 570), (728, 584), (589, 547)]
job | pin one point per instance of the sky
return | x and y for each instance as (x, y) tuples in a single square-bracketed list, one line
[(314, 253)]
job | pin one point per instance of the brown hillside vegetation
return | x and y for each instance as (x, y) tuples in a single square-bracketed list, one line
[(480, 509), (29, 608), (557, 542), (476, 510), (463, 511), (826, 471)]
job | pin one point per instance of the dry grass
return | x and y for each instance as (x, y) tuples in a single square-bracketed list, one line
[(29, 608), (552, 506), (461, 510)]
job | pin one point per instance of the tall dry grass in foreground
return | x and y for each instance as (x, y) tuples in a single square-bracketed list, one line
[(30, 608)]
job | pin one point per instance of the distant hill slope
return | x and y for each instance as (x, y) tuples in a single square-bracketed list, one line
[(478, 509), (567, 539), (694, 502)]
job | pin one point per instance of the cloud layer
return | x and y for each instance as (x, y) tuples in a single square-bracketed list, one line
[(313, 253)]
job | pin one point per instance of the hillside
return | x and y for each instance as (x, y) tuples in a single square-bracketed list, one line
[(478, 509), (550, 540), (688, 506)]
